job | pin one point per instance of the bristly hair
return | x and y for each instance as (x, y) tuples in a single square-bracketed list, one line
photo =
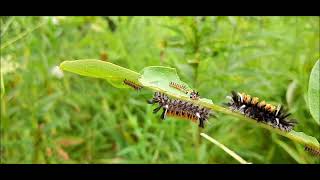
[(194, 95), (260, 111), (132, 84), (179, 87), (179, 108), (315, 152)]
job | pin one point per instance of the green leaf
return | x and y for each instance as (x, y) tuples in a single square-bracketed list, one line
[(159, 78), (314, 92), (114, 74), (304, 139)]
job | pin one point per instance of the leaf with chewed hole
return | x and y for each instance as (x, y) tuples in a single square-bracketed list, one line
[(114, 74), (314, 92), (159, 78)]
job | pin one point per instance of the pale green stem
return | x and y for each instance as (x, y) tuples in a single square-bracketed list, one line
[(227, 150), (3, 90), (293, 135)]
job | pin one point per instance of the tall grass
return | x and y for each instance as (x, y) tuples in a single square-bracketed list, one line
[(47, 119)]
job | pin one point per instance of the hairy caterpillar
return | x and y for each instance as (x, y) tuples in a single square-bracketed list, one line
[(315, 152), (260, 111), (179, 87), (179, 108), (132, 84)]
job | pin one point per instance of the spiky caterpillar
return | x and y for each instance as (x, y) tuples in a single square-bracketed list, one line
[(179, 108), (260, 111), (179, 87), (132, 84), (193, 94), (315, 152)]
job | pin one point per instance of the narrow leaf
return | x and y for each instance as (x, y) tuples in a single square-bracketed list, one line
[(314, 92), (114, 74)]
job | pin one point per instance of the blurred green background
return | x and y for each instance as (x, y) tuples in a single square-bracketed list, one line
[(49, 117)]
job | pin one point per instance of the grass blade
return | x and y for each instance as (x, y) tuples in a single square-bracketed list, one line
[(227, 150), (20, 36)]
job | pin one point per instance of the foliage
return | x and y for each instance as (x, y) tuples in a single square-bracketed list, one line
[(258, 55)]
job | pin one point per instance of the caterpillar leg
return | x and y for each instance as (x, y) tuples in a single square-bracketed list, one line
[(164, 114), (201, 123), (156, 109)]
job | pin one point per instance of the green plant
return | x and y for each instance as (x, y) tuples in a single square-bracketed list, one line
[(269, 57), (157, 78)]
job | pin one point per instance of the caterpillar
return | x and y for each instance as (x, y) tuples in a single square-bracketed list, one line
[(179, 87), (315, 152), (179, 108), (194, 95), (260, 111), (132, 84)]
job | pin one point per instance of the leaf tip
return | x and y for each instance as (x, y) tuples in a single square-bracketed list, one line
[(62, 65)]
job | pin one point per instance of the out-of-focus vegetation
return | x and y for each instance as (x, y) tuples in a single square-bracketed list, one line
[(51, 117)]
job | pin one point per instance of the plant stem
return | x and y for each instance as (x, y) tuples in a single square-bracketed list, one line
[(298, 137), (293, 135), (227, 150), (3, 90)]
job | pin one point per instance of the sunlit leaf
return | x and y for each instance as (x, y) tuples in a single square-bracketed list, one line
[(314, 92), (114, 74)]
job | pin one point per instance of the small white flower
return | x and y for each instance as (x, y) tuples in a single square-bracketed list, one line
[(57, 72)]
